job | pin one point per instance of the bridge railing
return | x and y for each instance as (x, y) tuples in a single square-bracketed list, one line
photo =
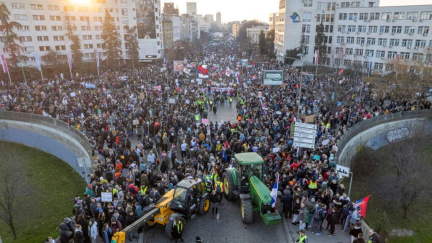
[(364, 125), (49, 121)]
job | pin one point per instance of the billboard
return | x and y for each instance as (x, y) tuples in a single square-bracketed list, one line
[(273, 77), (146, 23), (178, 66)]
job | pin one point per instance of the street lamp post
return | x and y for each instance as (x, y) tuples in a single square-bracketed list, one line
[(301, 81)]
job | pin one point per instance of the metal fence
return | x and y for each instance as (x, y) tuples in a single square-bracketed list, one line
[(51, 122), (364, 125)]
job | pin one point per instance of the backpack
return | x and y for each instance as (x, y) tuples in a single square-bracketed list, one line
[(322, 214), (219, 188), (317, 214)]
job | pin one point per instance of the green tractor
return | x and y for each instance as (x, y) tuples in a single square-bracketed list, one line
[(244, 181)]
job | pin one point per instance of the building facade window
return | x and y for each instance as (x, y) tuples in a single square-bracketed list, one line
[(18, 5), (373, 29), (374, 16), (399, 15), (386, 16), (380, 53), (412, 15), (382, 42), (36, 6), (394, 42)]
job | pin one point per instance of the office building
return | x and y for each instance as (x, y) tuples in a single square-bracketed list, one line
[(254, 32), (272, 21), (357, 34), (235, 29), (191, 8), (170, 9), (167, 28), (218, 18), (43, 26), (209, 17)]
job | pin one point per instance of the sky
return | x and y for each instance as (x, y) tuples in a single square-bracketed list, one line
[(237, 10)]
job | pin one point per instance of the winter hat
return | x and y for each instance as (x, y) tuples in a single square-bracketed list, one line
[(67, 220), (89, 186)]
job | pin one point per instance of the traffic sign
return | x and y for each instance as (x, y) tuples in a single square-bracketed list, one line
[(304, 145), (304, 130), (304, 140), (306, 125), (304, 135)]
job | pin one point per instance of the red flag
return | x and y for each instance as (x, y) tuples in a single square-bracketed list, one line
[(340, 71), (4, 63), (203, 70), (362, 203)]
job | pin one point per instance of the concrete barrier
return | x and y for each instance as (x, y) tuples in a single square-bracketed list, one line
[(49, 135), (381, 131)]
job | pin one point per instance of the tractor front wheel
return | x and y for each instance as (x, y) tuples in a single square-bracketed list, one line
[(247, 212), (229, 186), (149, 225), (169, 227), (204, 205)]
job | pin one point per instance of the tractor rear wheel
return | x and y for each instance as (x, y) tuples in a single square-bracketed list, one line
[(229, 186), (247, 211), (204, 205), (149, 225), (169, 227)]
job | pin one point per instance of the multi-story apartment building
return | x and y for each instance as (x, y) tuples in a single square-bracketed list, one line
[(272, 21), (219, 18), (43, 26), (167, 27), (191, 8), (235, 29), (359, 34), (254, 32), (170, 9)]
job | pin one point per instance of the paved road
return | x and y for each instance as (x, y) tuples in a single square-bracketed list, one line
[(225, 112), (229, 228), (339, 236)]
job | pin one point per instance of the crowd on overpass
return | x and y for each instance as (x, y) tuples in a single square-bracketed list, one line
[(143, 145)]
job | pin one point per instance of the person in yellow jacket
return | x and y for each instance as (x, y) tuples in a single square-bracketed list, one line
[(302, 237), (313, 187), (177, 230)]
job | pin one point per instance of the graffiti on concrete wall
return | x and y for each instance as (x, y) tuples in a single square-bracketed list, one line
[(397, 134)]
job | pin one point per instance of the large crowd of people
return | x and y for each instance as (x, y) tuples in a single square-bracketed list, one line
[(144, 145)]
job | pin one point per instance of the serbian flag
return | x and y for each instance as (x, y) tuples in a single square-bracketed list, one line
[(340, 71), (316, 56), (4, 63), (362, 203), (274, 193), (202, 70)]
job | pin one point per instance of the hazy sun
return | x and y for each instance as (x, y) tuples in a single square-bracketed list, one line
[(80, 1)]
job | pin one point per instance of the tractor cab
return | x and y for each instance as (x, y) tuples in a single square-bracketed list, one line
[(245, 181), (187, 196), (249, 164)]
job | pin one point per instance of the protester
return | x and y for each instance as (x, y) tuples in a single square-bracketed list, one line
[(173, 141)]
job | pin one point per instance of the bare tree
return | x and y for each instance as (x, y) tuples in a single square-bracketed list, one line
[(407, 179), (13, 187)]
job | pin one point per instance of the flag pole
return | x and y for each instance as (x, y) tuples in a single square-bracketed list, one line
[(277, 182), (10, 81)]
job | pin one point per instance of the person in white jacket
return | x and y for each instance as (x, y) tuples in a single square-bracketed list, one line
[(93, 231)]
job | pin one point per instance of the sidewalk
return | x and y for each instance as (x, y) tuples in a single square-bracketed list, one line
[(338, 237)]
